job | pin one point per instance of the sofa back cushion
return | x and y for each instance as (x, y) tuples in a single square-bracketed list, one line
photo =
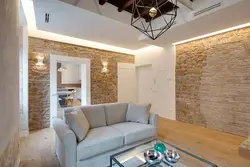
[(115, 112), (95, 114), (78, 123), (138, 113), (66, 111)]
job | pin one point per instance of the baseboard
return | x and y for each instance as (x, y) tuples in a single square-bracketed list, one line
[(24, 133), (17, 161)]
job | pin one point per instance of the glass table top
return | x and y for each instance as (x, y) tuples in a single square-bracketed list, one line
[(135, 157)]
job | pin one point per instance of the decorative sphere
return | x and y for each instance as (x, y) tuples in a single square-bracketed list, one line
[(160, 147), (152, 12)]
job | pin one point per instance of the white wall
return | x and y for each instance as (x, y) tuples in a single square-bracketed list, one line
[(163, 66), (72, 74), (23, 53)]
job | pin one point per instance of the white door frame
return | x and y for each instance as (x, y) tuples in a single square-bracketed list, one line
[(85, 81)]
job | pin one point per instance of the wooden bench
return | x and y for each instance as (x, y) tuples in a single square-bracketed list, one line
[(244, 149)]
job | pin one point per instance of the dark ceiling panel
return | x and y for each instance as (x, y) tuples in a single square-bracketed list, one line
[(167, 7)]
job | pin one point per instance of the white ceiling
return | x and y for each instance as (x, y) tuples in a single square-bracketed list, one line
[(106, 10), (230, 15), (22, 19), (86, 19), (76, 22)]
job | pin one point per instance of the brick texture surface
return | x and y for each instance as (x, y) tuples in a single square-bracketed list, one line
[(103, 85), (213, 82)]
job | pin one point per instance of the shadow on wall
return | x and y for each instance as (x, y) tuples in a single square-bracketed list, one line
[(223, 90), (189, 112), (212, 82), (189, 70)]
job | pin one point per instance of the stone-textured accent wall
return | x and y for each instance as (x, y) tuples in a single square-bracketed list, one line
[(103, 85), (11, 153), (213, 82)]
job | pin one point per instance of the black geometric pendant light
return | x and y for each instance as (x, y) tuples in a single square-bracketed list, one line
[(153, 17)]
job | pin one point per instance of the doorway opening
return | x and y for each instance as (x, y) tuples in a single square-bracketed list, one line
[(69, 83)]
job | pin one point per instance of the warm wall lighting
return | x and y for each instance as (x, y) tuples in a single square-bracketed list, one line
[(213, 33), (105, 66), (40, 60)]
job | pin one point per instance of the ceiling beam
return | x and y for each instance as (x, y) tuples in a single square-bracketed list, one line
[(146, 10), (125, 5), (186, 3), (102, 2)]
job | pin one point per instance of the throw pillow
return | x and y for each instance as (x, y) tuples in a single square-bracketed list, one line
[(78, 123), (138, 113)]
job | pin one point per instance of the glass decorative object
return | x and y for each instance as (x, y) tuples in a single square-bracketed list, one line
[(160, 147)]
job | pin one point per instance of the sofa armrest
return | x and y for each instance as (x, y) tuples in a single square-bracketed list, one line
[(65, 144), (153, 119)]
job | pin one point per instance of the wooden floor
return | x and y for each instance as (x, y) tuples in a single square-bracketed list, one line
[(38, 150)]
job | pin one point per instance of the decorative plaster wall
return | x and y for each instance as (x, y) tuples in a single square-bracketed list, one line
[(10, 155), (213, 82), (9, 83), (103, 85)]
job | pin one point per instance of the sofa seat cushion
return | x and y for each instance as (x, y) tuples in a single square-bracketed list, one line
[(99, 140), (134, 132)]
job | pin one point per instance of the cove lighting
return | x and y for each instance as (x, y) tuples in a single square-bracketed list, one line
[(28, 7), (76, 41), (213, 33), (148, 49)]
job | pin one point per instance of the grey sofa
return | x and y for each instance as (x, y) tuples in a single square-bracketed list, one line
[(108, 134)]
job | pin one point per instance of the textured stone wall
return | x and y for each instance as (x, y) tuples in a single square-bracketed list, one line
[(213, 82), (103, 85), (11, 153)]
